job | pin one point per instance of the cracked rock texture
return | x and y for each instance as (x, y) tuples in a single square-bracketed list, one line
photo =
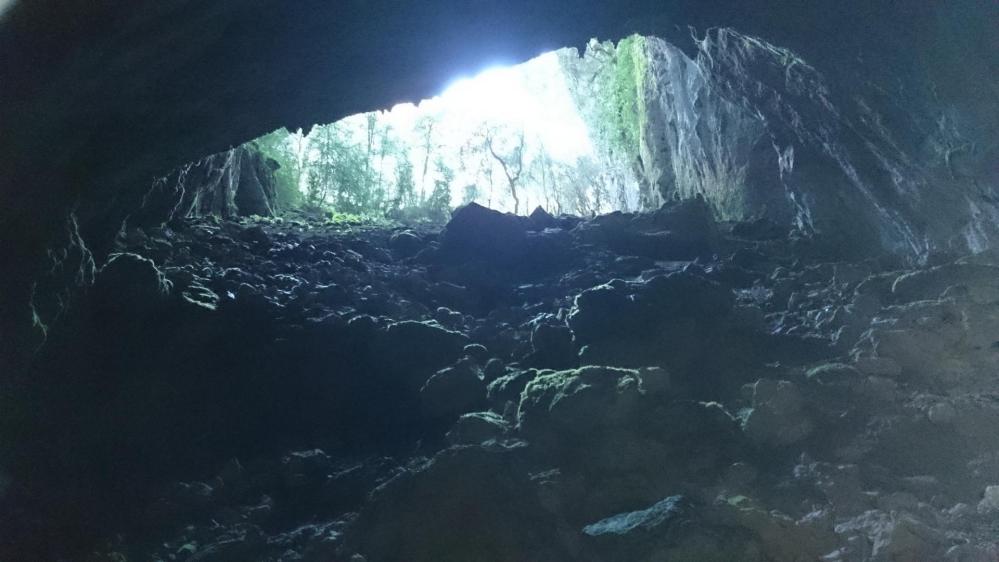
[(871, 122), (289, 388), (794, 361), (759, 131)]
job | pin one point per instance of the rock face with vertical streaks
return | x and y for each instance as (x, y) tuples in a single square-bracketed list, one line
[(759, 132)]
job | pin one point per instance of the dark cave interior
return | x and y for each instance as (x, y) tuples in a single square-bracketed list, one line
[(782, 347)]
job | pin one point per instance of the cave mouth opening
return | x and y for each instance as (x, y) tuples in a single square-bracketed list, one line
[(559, 132)]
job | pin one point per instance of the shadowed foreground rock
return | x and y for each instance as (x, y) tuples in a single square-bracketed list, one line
[(287, 389)]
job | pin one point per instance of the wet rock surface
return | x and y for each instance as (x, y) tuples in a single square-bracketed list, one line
[(286, 388)]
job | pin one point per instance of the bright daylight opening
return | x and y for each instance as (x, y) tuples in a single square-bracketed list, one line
[(533, 97), (510, 138)]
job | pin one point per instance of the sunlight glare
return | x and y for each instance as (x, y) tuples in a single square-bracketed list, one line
[(532, 97)]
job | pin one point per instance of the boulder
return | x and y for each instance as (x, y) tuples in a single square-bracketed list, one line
[(553, 347), (580, 400), (542, 219), (982, 282), (547, 251), (777, 536), (129, 283), (418, 349), (990, 500), (777, 417), (494, 369), (619, 431), (834, 374), (490, 512), (200, 297), (347, 487), (893, 537), (239, 542), (453, 391), (507, 387), (759, 229), (675, 320), (255, 235), (481, 234), (671, 530), (477, 428), (130, 275), (406, 243), (602, 312)]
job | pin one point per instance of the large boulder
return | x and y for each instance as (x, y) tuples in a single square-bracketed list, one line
[(553, 347), (681, 230), (671, 530), (677, 529), (418, 349), (130, 283), (406, 243), (677, 321), (581, 400), (777, 417), (477, 233), (980, 281), (467, 503), (542, 219), (621, 309), (891, 537), (604, 311), (477, 428), (453, 391), (618, 431)]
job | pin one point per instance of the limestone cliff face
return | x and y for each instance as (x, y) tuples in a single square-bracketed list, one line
[(759, 132), (696, 141)]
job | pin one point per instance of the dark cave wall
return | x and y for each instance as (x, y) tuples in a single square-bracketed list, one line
[(758, 131), (101, 97), (233, 183)]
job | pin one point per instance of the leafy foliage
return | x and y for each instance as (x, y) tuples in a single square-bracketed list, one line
[(372, 166), (625, 109), (608, 84), (438, 205), (283, 148)]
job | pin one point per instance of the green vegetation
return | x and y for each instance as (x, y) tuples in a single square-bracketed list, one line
[(332, 172), (416, 162), (624, 110), (608, 83)]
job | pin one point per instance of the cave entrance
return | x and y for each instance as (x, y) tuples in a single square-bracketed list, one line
[(557, 132)]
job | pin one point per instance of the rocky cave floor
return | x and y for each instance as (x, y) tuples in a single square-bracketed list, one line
[(623, 388)]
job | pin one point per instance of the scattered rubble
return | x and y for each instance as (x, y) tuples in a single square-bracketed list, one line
[(645, 394)]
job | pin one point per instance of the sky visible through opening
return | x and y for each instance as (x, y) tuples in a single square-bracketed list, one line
[(510, 138), (533, 97), (518, 121)]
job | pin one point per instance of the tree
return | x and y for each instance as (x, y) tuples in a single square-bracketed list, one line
[(481, 164), (510, 160), (387, 145), (320, 164), (425, 129), (608, 85), (470, 193), (371, 122), (542, 170), (405, 188), (438, 205), (359, 165), (339, 173), (286, 150)]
